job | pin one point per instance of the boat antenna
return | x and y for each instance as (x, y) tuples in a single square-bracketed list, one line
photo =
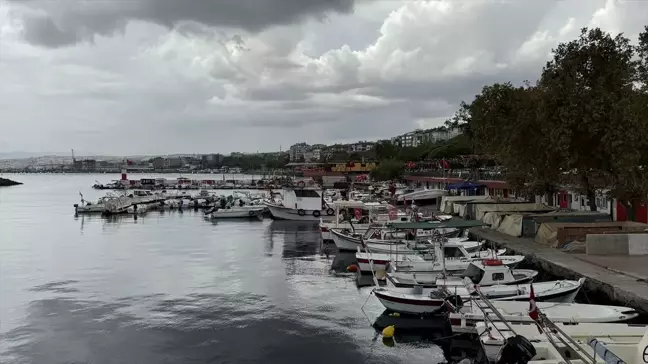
[(441, 240), (370, 259)]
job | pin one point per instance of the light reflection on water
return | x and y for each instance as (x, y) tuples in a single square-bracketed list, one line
[(173, 288)]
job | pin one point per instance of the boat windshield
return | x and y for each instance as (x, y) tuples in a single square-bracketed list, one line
[(452, 252), (474, 273)]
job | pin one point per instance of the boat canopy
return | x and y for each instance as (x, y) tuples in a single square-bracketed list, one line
[(464, 185), (349, 204), (457, 224)]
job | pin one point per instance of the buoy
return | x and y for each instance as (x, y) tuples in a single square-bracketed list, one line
[(381, 275), (388, 332), (352, 268)]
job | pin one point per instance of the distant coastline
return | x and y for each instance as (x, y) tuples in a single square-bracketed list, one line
[(130, 171)]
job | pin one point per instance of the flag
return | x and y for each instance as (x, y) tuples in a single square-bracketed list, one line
[(129, 162), (534, 313), (445, 164)]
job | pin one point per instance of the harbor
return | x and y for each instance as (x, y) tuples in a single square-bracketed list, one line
[(382, 262)]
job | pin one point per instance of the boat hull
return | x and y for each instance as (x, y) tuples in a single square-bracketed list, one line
[(345, 242), (237, 213), (517, 313), (326, 227), (284, 213), (409, 306), (429, 280)]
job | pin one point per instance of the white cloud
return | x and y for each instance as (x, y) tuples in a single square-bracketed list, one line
[(196, 87)]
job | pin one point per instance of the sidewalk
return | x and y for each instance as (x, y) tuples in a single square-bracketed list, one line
[(621, 283)]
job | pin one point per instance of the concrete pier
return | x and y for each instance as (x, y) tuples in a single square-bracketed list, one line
[(623, 279)]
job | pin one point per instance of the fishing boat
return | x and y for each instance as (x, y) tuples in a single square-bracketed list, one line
[(464, 317), (487, 272), (456, 260), (413, 247), (391, 233), (419, 300), (360, 222), (236, 212), (620, 338), (381, 261), (301, 204)]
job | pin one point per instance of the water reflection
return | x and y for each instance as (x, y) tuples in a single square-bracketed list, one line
[(175, 288), (196, 329)]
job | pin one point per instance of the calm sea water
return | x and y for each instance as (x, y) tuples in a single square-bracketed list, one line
[(174, 288)]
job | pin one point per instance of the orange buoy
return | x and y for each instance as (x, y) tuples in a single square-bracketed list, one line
[(352, 268)]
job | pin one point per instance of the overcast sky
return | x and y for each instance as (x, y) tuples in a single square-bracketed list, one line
[(196, 76)]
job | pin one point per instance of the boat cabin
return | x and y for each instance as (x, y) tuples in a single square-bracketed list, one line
[(489, 272), (303, 198), (369, 212)]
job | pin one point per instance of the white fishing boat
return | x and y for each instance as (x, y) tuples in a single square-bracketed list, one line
[(622, 339), (376, 213), (412, 247), (419, 300), (301, 204), (481, 272), (456, 260), (237, 212), (89, 208), (381, 261), (464, 317), (394, 232)]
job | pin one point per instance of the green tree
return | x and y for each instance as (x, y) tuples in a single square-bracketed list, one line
[(503, 120), (587, 89), (388, 169), (385, 149)]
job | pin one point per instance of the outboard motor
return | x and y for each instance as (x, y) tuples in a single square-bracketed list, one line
[(453, 303), (516, 350)]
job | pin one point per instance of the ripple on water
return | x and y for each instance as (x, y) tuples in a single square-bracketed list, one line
[(173, 288)]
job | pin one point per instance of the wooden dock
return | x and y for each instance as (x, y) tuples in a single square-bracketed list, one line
[(621, 287)]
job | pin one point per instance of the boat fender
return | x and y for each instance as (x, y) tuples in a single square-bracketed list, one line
[(316, 213), (301, 212), (251, 213), (330, 211)]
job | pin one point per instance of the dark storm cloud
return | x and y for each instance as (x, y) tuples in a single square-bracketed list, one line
[(68, 22)]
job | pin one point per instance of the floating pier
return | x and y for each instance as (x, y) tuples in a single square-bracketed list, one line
[(622, 287)]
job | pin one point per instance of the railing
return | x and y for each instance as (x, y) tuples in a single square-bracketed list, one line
[(458, 173)]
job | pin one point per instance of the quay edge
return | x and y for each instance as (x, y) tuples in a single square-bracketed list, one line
[(621, 289)]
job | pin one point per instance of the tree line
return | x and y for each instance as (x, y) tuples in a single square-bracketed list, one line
[(393, 159), (583, 123)]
